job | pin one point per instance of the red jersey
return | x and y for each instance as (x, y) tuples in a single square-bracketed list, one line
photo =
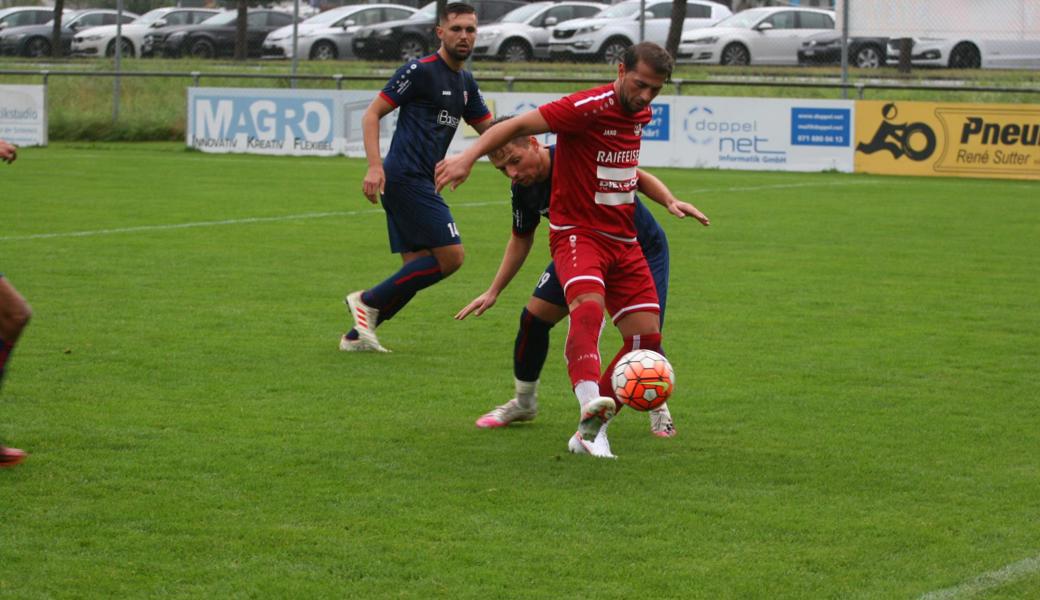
[(597, 152)]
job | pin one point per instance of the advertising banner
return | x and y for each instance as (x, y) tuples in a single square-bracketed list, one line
[(727, 133), (966, 140), (264, 121), (23, 114)]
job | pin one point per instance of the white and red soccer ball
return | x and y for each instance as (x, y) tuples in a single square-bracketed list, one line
[(643, 379)]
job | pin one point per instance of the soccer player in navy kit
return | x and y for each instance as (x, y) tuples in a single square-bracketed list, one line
[(14, 315), (530, 167), (433, 93), (592, 228)]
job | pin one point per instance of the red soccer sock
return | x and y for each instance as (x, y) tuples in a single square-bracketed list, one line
[(646, 341), (582, 350)]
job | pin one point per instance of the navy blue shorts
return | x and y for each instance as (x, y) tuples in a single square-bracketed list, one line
[(417, 218), (550, 290)]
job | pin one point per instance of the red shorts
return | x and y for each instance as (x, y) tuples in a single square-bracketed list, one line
[(590, 262)]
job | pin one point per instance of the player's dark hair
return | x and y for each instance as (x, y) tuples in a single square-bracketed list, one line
[(651, 55), (457, 8)]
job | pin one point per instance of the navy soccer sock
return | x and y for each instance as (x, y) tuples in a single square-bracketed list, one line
[(531, 347), (419, 274)]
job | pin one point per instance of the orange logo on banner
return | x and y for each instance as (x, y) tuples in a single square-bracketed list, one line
[(966, 140)]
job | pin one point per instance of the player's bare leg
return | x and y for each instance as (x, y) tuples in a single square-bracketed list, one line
[(14, 316)]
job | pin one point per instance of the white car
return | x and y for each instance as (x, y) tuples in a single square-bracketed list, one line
[(757, 36), (101, 41), (960, 53), (523, 33), (329, 35), (606, 36)]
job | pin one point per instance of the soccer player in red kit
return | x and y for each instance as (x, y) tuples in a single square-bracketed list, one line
[(592, 231)]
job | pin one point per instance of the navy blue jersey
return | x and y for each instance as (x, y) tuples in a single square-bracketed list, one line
[(432, 98), (531, 203)]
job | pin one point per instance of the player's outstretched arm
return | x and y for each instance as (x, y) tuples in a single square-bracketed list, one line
[(516, 253), (454, 170), (656, 190), (375, 180), (8, 152)]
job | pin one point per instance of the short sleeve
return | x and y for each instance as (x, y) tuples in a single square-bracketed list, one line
[(563, 117), (404, 85), (476, 110), (525, 218)]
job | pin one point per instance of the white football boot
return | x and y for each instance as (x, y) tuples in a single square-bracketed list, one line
[(594, 415), (365, 319), (599, 448), (359, 345), (661, 423), (507, 413)]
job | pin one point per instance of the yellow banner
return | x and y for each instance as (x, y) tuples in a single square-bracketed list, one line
[(949, 139)]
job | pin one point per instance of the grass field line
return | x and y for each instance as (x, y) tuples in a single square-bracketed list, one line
[(351, 213), (988, 581)]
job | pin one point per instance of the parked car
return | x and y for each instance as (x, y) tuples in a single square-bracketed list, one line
[(20, 16), (759, 36), (523, 33), (970, 53), (607, 35), (330, 35), (825, 49), (215, 36), (417, 35), (35, 40), (98, 41)]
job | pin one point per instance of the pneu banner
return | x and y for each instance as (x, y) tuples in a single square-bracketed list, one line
[(952, 139)]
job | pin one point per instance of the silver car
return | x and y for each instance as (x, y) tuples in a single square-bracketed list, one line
[(329, 35), (523, 33)]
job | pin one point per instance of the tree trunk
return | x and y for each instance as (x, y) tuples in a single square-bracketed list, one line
[(241, 47), (906, 46), (441, 5), (675, 29), (56, 47)]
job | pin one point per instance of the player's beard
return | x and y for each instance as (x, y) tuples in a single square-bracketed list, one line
[(626, 103), (456, 54)]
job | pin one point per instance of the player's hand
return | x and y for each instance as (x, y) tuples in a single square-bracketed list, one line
[(8, 152), (479, 304), (682, 209), (452, 171), (373, 184)]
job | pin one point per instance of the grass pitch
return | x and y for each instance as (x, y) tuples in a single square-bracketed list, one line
[(857, 403)]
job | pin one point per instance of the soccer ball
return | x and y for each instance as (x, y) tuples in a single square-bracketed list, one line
[(643, 379)]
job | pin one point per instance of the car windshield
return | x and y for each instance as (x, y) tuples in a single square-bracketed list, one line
[(151, 16), (426, 13), (744, 19), (620, 11), (329, 16), (519, 15), (222, 18)]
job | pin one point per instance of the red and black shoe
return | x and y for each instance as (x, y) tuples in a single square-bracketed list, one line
[(10, 457)]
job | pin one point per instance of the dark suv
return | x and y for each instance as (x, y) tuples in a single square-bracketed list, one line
[(416, 36)]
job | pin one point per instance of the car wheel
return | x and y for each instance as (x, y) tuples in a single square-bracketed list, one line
[(613, 49), (202, 49), (515, 51), (735, 54), (38, 47), (411, 48), (323, 50), (127, 48), (868, 57), (965, 56)]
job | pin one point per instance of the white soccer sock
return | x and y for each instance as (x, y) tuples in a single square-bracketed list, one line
[(527, 393), (586, 391)]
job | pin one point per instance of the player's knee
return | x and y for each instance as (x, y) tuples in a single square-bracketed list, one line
[(451, 261)]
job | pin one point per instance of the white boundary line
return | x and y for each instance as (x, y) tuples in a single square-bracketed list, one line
[(371, 211), (988, 581)]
